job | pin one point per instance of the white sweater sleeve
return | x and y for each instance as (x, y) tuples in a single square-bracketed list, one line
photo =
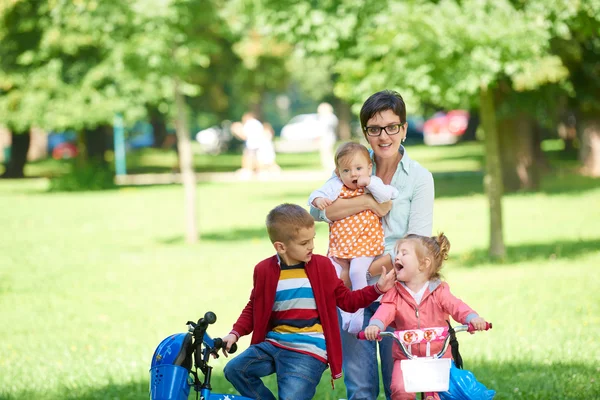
[(330, 190), (380, 191)]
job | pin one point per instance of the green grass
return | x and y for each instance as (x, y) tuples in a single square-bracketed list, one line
[(90, 283)]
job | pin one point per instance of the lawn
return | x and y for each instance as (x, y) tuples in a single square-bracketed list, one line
[(91, 282)]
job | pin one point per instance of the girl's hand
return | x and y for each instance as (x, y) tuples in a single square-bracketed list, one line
[(230, 340), (478, 323), (321, 203), (372, 332)]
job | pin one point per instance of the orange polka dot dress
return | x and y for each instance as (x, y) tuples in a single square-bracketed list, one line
[(359, 235)]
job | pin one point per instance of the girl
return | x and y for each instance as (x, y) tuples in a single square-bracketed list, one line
[(356, 240), (420, 299)]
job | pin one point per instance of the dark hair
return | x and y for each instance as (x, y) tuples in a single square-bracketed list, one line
[(284, 221), (381, 101), (350, 148)]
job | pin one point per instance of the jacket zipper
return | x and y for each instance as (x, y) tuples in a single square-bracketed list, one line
[(417, 315), (418, 327)]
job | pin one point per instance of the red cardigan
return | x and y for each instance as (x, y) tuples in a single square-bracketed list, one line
[(330, 292)]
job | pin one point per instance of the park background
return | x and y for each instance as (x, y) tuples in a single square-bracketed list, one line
[(95, 270)]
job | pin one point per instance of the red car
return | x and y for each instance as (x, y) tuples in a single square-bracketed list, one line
[(445, 128)]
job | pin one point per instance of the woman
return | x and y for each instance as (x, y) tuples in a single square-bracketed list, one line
[(383, 122)]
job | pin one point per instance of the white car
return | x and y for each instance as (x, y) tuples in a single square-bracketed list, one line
[(302, 134)]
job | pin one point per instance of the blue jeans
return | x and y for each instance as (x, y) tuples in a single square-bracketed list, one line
[(361, 374), (297, 374)]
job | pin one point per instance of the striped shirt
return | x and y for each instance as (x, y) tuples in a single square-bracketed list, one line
[(294, 319)]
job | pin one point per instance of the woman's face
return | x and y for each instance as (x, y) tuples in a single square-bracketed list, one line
[(384, 145)]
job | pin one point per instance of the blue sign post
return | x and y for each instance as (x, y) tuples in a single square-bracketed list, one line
[(119, 141)]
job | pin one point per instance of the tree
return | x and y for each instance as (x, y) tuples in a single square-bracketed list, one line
[(447, 52), (577, 43)]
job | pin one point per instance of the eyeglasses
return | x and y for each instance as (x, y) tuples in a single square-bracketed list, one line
[(390, 129)]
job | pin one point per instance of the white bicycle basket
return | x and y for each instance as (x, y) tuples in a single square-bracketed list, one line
[(426, 374)]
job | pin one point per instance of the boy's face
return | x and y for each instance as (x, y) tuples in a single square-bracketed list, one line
[(353, 167), (298, 249)]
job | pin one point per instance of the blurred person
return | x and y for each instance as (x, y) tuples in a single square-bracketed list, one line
[(418, 262), (356, 240), (383, 122), (251, 131), (329, 123), (292, 313), (265, 154)]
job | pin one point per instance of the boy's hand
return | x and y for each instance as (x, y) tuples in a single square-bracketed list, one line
[(387, 280), (321, 203), (230, 340), (372, 332), (478, 323), (363, 181)]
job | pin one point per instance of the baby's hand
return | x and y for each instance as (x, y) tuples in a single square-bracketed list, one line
[(372, 332), (363, 181), (321, 203), (478, 323)]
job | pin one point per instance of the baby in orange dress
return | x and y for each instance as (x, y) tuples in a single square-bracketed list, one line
[(354, 241)]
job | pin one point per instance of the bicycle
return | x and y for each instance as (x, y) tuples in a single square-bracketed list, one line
[(430, 374), (179, 360)]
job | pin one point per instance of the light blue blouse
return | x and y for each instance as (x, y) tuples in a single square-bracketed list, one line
[(412, 210)]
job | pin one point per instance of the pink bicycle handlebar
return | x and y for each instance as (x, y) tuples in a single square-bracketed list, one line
[(471, 328), (461, 328), (405, 339)]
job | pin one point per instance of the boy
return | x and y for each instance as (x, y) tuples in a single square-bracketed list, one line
[(292, 313)]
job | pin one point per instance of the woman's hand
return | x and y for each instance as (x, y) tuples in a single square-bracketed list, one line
[(372, 332), (380, 209)]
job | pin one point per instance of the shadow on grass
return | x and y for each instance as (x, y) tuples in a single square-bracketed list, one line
[(534, 251), (458, 184), (465, 183), (233, 235), (510, 380)]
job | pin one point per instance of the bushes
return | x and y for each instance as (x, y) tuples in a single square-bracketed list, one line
[(91, 175)]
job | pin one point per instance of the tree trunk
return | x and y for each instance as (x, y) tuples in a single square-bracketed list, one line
[(159, 126), (185, 165), (96, 141), (508, 143), (590, 147), (493, 176), (518, 155), (345, 118), (18, 155), (471, 131)]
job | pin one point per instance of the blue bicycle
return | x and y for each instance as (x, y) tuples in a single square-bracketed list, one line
[(179, 360)]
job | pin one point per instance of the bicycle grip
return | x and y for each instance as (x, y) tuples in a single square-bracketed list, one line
[(233, 348), (488, 326), (361, 336)]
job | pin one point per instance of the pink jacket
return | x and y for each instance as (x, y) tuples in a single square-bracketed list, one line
[(399, 310)]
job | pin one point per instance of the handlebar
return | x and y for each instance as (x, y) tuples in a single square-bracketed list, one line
[(405, 339), (198, 330), (201, 347)]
